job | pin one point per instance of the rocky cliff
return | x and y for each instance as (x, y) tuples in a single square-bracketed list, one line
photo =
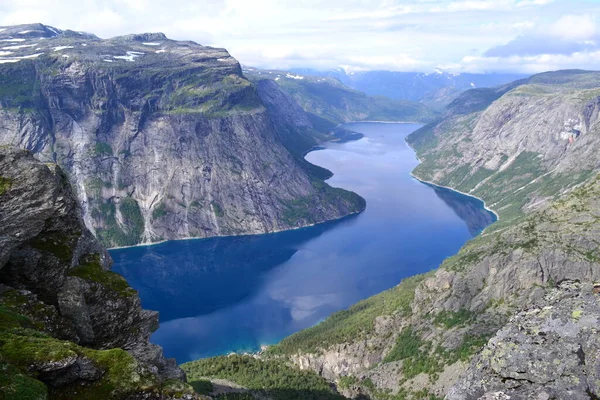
[(162, 139), (517, 146), (69, 327), (538, 263)]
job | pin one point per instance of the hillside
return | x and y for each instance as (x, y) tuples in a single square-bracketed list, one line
[(163, 139), (517, 147), (328, 102), (523, 289)]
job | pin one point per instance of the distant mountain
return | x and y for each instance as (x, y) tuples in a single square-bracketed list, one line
[(414, 86), (329, 102), (163, 139)]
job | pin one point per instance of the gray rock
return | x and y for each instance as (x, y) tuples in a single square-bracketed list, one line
[(549, 351), (53, 271), (161, 139)]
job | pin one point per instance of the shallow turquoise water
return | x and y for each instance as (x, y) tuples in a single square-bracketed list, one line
[(234, 294)]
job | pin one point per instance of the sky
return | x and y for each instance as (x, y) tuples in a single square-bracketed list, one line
[(518, 36)]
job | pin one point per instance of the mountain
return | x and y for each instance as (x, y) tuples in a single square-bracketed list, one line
[(163, 139), (328, 102), (435, 89), (518, 146), (69, 327), (514, 314)]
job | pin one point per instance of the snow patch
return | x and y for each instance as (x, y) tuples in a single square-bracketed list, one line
[(65, 55), (107, 60), (472, 84), (294, 76), (59, 48), (5, 53), (12, 40), (36, 55), (277, 78), (223, 59), (52, 30), (24, 32), (84, 44), (2, 29), (22, 46), (151, 44), (17, 59), (130, 56), (160, 51)]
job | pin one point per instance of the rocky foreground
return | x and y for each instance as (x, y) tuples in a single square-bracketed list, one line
[(69, 327)]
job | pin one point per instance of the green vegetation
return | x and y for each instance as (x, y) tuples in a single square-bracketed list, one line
[(5, 185), (202, 386), (353, 323), (217, 209), (60, 247), (272, 378), (159, 211), (103, 149), (301, 210), (19, 86), (450, 319), (91, 270), (114, 234), (25, 350), (418, 355), (347, 381)]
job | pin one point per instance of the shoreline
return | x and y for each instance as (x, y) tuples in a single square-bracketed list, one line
[(448, 187), (314, 148), (240, 235)]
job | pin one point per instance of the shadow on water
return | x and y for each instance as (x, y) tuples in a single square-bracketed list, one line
[(187, 278), (470, 209)]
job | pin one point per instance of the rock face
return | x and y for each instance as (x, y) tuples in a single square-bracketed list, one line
[(417, 339), (517, 146), (549, 351), (68, 321), (161, 139)]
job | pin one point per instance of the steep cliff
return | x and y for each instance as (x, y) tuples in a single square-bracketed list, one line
[(518, 146), (69, 327), (417, 340), (162, 139)]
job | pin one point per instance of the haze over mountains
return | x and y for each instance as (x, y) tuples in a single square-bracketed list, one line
[(140, 138)]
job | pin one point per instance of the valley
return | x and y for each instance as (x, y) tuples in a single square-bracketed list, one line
[(448, 251), (256, 290)]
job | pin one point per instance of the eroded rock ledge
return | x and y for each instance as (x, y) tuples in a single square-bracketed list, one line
[(69, 327), (551, 350)]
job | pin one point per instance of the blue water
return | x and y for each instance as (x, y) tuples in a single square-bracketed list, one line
[(234, 294)]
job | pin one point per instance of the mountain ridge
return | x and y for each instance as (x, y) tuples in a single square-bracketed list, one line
[(110, 110)]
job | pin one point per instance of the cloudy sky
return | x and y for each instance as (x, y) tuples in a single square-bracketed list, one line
[(405, 35)]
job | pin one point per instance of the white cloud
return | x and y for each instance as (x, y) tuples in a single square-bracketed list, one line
[(362, 34), (574, 27), (531, 64)]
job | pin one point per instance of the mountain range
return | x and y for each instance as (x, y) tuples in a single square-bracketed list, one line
[(140, 138)]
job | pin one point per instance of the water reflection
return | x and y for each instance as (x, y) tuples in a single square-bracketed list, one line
[(234, 294), (196, 277), (467, 208)]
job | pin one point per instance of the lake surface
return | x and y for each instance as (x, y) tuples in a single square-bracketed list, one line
[(229, 294)]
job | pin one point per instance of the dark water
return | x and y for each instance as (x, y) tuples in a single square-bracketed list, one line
[(234, 294)]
